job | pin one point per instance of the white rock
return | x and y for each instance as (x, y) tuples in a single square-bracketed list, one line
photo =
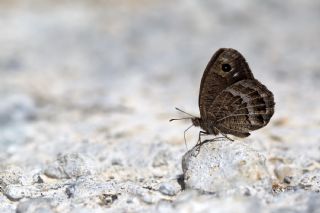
[(15, 175), (71, 166), (220, 166), (311, 181), (39, 205), (170, 188)]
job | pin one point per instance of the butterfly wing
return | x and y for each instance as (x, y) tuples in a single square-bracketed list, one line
[(242, 107), (226, 67)]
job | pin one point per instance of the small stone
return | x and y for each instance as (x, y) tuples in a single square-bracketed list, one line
[(108, 199), (17, 192), (37, 205), (310, 181), (15, 175), (287, 179), (170, 188), (285, 173), (10, 175), (71, 166), (224, 165), (70, 190), (145, 195), (88, 186)]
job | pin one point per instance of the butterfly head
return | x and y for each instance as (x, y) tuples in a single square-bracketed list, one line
[(196, 121)]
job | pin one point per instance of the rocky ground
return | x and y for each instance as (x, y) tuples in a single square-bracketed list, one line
[(87, 90)]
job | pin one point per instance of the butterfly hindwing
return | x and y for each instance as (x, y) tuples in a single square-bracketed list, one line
[(242, 107)]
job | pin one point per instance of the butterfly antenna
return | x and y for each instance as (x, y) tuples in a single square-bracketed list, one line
[(180, 110), (184, 135), (176, 119)]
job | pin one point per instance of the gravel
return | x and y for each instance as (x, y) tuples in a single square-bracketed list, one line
[(87, 89)]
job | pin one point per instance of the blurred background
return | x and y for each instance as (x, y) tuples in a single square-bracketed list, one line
[(102, 71)]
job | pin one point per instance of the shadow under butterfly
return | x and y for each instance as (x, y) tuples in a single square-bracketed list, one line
[(231, 100)]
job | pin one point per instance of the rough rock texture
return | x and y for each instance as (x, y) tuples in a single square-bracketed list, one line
[(71, 166), (222, 165), (38, 205), (87, 89)]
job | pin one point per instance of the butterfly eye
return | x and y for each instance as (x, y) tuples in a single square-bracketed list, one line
[(226, 67)]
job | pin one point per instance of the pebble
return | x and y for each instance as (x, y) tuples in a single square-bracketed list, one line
[(37, 205), (220, 166), (170, 188), (72, 165)]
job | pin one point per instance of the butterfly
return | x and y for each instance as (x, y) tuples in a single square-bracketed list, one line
[(231, 100)]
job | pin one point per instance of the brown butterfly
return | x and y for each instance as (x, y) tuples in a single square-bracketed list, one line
[(231, 100)]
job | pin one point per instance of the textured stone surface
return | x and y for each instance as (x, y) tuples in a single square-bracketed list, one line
[(170, 188), (71, 166), (223, 165), (38, 205), (87, 89)]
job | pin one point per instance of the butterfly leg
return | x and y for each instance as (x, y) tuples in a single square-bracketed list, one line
[(199, 142), (198, 145), (199, 138), (184, 136), (225, 136), (212, 140)]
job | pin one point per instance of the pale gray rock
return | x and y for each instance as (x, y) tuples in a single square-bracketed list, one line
[(16, 183), (90, 186), (112, 194), (13, 175), (220, 166), (71, 166), (170, 188), (102, 78), (286, 173), (38, 205), (311, 181), (143, 194), (16, 192), (10, 175)]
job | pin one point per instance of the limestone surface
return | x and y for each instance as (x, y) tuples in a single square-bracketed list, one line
[(221, 166), (87, 89)]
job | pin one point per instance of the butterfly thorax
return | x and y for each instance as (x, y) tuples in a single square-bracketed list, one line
[(207, 126)]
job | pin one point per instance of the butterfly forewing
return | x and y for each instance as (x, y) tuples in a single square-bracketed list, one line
[(226, 67)]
